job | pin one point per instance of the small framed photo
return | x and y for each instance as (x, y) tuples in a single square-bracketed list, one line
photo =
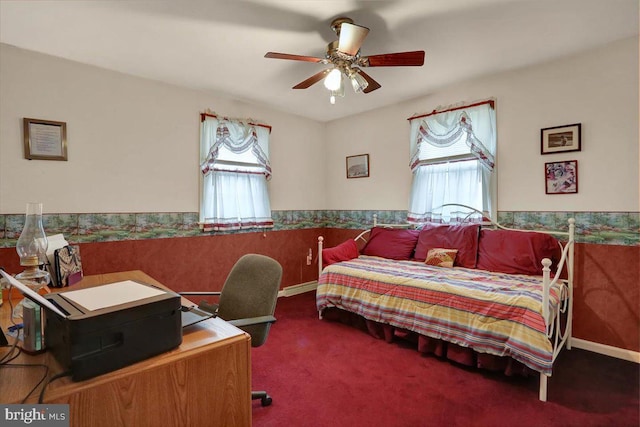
[(358, 166), (45, 140), (560, 139), (561, 177)]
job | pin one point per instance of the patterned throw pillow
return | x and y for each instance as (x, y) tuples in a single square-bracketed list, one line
[(441, 257)]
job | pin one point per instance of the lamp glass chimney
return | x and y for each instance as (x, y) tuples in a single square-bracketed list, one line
[(32, 243)]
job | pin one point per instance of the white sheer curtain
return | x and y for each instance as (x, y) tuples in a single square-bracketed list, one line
[(453, 161), (442, 183), (235, 165)]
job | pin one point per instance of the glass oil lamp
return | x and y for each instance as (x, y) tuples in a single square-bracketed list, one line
[(32, 250)]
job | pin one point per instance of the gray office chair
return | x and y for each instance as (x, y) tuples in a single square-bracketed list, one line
[(248, 301)]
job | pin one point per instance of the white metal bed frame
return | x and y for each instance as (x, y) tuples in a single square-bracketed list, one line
[(555, 332)]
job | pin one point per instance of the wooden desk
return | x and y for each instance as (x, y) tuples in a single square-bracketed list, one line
[(205, 381)]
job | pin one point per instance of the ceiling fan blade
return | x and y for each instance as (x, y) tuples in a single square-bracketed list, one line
[(277, 55), (312, 80), (351, 38), (414, 58), (373, 85)]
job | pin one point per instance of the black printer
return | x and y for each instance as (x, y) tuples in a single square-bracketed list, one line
[(99, 339)]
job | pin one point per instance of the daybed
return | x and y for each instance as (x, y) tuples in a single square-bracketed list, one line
[(477, 294)]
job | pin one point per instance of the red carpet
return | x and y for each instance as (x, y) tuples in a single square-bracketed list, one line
[(323, 373)]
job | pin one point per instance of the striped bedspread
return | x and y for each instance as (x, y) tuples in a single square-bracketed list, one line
[(494, 313)]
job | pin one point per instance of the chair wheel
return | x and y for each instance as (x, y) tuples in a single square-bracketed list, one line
[(266, 401)]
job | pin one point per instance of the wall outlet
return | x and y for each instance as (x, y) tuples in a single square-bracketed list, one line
[(309, 257)]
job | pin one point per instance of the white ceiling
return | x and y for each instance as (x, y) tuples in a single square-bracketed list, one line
[(219, 45)]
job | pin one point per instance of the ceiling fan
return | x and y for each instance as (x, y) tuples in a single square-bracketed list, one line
[(344, 56)]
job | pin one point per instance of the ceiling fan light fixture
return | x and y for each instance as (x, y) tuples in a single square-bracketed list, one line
[(345, 61), (333, 81), (358, 82)]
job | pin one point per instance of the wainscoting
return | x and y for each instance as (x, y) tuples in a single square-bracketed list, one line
[(171, 248)]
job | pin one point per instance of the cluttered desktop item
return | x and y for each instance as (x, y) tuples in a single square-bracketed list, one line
[(96, 330), (67, 266)]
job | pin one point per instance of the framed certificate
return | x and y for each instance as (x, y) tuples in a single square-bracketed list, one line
[(45, 140)]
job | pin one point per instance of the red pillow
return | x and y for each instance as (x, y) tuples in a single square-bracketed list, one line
[(464, 238), (516, 252), (391, 243), (343, 252)]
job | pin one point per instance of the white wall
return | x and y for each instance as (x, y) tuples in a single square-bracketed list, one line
[(384, 135), (132, 143), (598, 89)]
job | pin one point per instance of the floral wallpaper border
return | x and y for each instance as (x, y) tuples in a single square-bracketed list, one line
[(608, 228)]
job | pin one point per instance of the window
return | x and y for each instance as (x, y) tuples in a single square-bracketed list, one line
[(452, 161), (235, 166)]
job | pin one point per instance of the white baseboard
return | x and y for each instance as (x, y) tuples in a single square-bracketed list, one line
[(607, 350), (298, 289)]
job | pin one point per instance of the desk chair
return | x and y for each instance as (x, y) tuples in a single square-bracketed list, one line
[(248, 301)]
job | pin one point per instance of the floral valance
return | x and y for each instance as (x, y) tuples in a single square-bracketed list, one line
[(237, 137), (446, 128)]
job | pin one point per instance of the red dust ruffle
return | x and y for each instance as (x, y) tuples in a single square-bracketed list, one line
[(427, 345)]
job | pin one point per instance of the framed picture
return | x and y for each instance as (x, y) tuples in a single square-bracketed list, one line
[(561, 177), (358, 166), (560, 139), (45, 140)]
